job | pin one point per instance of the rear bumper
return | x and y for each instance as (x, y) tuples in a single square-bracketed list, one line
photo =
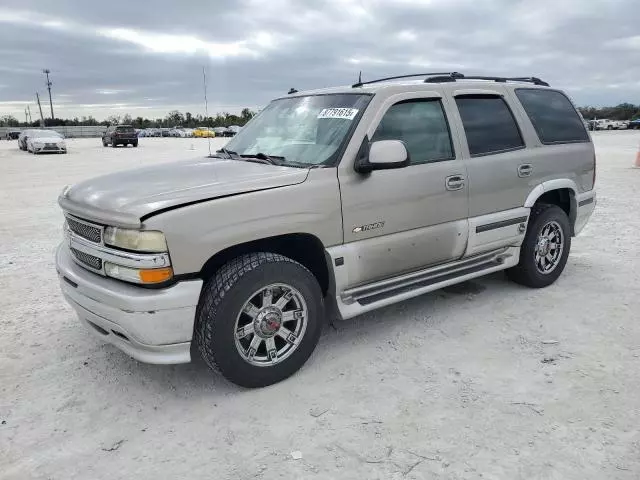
[(152, 326), (586, 205)]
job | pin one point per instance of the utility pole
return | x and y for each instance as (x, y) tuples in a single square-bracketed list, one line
[(26, 117), (29, 112), (40, 107), (46, 71)]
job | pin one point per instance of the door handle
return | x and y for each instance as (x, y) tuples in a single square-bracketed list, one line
[(454, 182), (525, 170)]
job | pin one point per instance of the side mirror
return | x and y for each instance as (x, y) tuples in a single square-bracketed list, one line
[(383, 155)]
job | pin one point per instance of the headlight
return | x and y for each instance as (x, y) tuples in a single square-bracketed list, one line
[(138, 240), (135, 275)]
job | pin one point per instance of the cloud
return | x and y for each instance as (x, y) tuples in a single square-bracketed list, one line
[(150, 60)]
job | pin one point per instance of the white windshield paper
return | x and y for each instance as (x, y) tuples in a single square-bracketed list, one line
[(344, 113)]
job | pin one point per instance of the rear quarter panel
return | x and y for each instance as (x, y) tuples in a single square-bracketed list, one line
[(573, 161)]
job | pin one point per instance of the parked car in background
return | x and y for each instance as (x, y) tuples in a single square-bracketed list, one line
[(12, 134), (219, 131), (635, 124), (46, 141), (605, 124), (204, 132), (120, 135), (231, 131), (24, 136)]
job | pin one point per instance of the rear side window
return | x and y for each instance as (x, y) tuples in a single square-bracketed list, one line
[(553, 116), (422, 126), (488, 124)]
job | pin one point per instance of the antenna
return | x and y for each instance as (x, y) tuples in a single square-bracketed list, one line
[(206, 104)]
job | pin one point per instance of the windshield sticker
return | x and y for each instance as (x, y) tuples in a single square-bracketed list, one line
[(344, 113)]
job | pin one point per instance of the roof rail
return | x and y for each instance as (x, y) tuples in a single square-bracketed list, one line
[(451, 78), (397, 77)]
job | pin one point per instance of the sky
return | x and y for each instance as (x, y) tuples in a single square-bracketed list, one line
[(146, 58)]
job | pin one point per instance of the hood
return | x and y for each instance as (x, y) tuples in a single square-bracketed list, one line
[(123, 198)]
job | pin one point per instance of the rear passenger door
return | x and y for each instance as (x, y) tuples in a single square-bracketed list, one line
[(499, 168)]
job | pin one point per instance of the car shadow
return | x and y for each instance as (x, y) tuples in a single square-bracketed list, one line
[(197, 379)]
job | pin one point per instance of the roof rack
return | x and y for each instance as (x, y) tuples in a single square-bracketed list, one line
[(397, 77), (441, 77)]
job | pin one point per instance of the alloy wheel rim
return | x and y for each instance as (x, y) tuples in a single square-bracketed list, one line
[(271, 325), (549, 247)]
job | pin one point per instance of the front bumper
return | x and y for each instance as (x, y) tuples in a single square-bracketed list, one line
[(50, 149), (150, 325)]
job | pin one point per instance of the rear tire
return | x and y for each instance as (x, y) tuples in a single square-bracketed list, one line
[(135, 144), (241, 327), (545, 248)]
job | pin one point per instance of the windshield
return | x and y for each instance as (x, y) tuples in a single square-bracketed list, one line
[(44, 134), (124, 128), (302, 131)]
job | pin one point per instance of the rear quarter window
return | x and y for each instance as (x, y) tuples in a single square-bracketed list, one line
[(553, 116)]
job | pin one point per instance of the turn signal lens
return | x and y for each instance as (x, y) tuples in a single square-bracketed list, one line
[(134, 275), (156, 275)]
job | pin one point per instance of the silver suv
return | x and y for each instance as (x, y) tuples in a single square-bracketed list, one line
[(333, 203)]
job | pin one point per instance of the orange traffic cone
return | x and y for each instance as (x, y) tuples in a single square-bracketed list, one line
[(637, 164)]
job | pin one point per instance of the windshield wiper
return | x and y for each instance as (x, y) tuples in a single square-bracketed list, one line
[(229, 153), (264, 158)]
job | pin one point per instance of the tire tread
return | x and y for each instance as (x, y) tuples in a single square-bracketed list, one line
[(217, 288)]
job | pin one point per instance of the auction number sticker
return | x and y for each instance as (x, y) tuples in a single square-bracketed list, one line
[(344, 113)]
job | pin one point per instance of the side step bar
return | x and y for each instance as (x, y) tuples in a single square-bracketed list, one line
[(408, 285)]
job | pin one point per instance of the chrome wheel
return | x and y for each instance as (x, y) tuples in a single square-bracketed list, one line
[(549, 247), (270, 325)]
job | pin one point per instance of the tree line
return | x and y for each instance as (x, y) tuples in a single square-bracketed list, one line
[(172, 119), (624, 111)]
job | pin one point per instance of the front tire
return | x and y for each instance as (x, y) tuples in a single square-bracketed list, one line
[(545, 248), (259, 319)]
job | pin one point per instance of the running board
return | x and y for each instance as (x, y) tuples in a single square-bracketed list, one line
[(401, 287)]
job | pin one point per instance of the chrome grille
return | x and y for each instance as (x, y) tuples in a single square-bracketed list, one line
[(89, 260), (89, 232)]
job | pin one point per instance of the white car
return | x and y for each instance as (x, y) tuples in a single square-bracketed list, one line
[(605, 124), (46, 142)]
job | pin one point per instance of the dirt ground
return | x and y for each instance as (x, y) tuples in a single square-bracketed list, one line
[(488, 380)]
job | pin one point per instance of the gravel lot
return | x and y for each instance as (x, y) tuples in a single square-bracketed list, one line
[(486, 380)]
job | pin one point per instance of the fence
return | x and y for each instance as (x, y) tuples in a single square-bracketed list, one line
[(67, 131)]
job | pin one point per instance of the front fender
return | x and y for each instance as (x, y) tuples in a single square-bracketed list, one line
[(197, 232)]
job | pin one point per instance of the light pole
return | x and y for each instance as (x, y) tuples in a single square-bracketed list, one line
[(46, 71)]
